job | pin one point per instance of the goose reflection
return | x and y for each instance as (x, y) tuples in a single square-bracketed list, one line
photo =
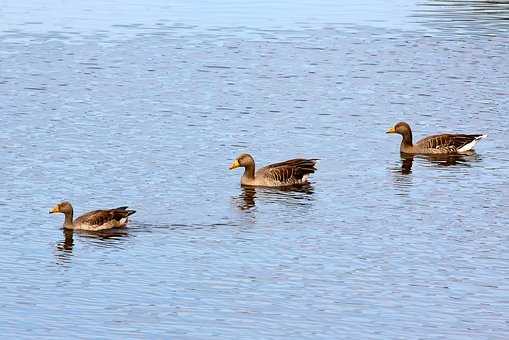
[(105, 238), (463, 160), (64, 248), (291, 195), (462, 16), (406, 165), (247, 198), (402, 179)]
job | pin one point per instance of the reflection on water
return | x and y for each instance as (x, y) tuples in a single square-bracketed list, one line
[(290, 195), (105, 235), (103, 238), (64, 248), (459, 16), (401, 179), (406, 165), (246, 199), (402, 171), (463, 160)]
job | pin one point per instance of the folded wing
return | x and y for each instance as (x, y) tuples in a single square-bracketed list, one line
[(101, 219), (291, 172), (452, 143)]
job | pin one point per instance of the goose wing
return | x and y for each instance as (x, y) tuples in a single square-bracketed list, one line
[(291, 172), (105, 217), (449, 142)]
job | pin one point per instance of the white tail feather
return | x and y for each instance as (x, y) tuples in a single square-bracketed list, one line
[(470, 146)]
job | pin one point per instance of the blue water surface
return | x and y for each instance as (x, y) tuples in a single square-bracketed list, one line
[(146, 103)]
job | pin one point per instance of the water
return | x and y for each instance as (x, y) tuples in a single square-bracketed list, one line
[(110, 104)]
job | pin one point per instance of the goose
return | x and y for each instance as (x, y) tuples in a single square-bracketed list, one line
[(94, 220), (287, 173), (443, 144)]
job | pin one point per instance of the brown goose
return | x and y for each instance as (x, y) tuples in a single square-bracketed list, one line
[(94, 220), (292, 172), (444, 144)]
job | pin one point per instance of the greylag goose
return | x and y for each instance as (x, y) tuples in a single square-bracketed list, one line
[(94, 220), (291, 172), (443, 144)]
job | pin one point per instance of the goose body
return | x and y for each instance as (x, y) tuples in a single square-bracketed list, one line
[(94, 220), (288, 173), (442, 144)]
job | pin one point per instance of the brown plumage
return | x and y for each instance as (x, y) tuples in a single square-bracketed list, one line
[(291, 172), (443, 144), (94, 220)]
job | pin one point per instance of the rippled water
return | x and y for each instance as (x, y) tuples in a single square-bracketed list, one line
[(148, 107)]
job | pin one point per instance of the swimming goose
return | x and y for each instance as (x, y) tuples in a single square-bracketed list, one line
[(444, 144), (94, 220), (291, 172)]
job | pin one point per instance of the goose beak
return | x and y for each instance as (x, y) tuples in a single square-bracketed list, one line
[(234, 165), (391, 130), (54, 210)]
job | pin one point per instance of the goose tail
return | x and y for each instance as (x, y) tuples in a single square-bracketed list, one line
[(469, 146)]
